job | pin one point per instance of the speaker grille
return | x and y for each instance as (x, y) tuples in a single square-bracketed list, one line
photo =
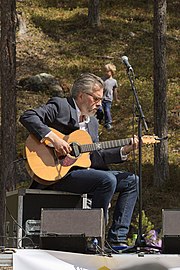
[(171, 222), (89, 222)]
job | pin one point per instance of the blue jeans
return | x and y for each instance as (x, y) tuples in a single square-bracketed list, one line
[(102, 185), (100, 114), (107, 111), (128, 188)]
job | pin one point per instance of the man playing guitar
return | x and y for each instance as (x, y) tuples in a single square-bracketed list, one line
[(76, 114)]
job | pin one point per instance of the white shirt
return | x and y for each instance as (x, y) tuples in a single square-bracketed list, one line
[(83, 126)]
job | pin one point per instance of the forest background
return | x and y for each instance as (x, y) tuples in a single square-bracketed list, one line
[(55, 38)]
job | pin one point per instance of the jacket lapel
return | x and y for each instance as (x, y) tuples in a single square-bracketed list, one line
[(92, 131), (73, 112)]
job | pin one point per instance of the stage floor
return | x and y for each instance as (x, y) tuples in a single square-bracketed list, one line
[(37, 259)]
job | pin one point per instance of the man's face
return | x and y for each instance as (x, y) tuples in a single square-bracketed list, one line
[(89, 102)]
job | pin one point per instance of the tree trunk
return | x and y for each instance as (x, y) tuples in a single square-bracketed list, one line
[(8, 105), (161, 168), (93, 13)]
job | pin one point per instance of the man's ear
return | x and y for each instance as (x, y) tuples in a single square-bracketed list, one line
[(80, 95)]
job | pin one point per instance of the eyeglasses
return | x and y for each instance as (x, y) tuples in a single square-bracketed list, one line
[(96, 99)]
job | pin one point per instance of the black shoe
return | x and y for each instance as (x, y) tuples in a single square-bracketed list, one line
[(108, 126)]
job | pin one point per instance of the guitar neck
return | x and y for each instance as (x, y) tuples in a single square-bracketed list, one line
[(103, 145)]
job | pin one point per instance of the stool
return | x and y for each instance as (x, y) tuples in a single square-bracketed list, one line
[(23, 213)]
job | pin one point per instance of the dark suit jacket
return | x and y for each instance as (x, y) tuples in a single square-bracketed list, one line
[(61, 114)]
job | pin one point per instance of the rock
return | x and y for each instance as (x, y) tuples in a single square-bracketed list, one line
[(42, 82), (132, 34)]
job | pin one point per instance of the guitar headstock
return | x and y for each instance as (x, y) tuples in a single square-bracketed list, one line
[(150, 139)]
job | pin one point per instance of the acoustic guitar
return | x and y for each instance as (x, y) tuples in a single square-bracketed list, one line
[(46, 166)]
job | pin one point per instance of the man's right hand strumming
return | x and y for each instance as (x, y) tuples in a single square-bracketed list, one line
[(60, 145)]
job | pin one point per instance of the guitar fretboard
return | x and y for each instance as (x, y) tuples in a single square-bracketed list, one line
[(103, 145)]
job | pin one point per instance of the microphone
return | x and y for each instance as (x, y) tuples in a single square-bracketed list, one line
[(126, 62)]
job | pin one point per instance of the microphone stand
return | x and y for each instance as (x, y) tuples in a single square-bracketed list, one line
[(140, 242)]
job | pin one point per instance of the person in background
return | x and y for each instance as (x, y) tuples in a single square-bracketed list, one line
[(77, 112), (110, 94)]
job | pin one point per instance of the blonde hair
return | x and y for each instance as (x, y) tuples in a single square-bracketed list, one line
[(110, 67)]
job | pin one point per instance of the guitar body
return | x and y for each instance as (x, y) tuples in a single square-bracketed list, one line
[(46, 166), (43, 163)]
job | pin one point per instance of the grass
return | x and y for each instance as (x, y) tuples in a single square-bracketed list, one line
[(58, 41)]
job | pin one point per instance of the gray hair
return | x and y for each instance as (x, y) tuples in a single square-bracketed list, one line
[(85, 83)]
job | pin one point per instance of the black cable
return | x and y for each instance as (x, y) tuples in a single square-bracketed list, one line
[(21, 227), (110, 247), (15, 221), (102, 252)]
